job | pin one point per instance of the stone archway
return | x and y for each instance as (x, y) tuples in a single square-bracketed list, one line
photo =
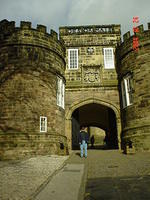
[(80, 103)]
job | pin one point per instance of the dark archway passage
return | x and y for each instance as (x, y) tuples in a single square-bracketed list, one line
[(95, 115)]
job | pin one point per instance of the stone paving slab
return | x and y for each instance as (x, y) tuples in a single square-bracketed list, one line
[(124, 188), (65, 185), (21, 179), (115, 176)]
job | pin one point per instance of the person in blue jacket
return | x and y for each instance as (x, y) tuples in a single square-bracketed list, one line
[(83, 141)]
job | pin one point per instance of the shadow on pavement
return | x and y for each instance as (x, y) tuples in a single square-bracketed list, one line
[(97, 147), (78, 154), (122, 188)]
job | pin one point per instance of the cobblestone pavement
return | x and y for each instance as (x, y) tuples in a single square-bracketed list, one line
[(19, 180), (115, 176)]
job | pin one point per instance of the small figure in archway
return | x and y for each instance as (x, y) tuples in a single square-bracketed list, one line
[(105, 140), (92, 141), (83, 141)]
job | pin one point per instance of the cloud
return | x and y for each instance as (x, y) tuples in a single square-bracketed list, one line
[(109, 12), (55, 13), (46, 12)]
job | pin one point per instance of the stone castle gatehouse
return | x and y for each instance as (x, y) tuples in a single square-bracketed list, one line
[(49, 87), (92, 97)]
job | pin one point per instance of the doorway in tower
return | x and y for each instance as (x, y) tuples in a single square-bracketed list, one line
[(100, 121)]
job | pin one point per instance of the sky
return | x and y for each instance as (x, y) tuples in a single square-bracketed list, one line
[(56, 13)]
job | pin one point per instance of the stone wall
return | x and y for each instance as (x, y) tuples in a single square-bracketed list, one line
[(136, 117), (30, 61), (90, 45), (90, 80)]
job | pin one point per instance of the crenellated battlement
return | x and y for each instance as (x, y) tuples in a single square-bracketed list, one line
[(8, 27), (127, 35), (25, 25), (25, 34), (127, 44), (30, 46)]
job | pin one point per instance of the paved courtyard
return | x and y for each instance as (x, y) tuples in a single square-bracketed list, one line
[(21, 180), (116, 176), (105, 174)]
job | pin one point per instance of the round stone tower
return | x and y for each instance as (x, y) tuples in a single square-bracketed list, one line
[(133, 68), (32, 67)]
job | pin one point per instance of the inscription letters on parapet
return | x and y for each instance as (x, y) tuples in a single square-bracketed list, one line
[(90, 30)]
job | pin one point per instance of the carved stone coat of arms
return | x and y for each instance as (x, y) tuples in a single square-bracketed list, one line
[(91, 74)]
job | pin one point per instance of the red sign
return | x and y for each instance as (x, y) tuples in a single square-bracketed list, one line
[(135, 30), (136, 19), (135, 43)]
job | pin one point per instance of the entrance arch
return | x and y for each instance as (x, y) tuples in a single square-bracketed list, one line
[(96, 108)]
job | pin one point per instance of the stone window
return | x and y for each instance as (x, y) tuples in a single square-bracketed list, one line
[(60, 92), (73, 58), (43, 124), (109, 58), (127, 91)]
